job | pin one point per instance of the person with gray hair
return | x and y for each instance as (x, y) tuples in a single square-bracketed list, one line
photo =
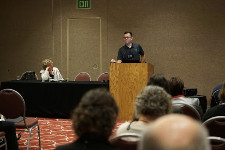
[(151, 103), (175, 132)]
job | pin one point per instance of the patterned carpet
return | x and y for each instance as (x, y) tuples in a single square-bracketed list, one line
[(54, 132)]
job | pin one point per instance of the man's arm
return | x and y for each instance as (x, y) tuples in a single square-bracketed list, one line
[(141, 53), (143, 58), (119, 57)]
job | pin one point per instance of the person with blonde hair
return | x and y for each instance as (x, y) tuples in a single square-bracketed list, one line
[(49, 72)]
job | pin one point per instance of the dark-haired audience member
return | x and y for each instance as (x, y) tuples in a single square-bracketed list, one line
[(10, 130), (159, 80), (176, 86), (152, 103), (215, 100), (218, 110), (93, 121), (175, 132)]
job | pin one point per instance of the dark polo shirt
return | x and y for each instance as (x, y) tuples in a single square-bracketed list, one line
[(134, 52)]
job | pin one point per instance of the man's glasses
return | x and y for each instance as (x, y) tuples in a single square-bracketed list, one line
[(126, 37)]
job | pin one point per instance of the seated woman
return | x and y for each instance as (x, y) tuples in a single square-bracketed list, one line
[(151, 103), (176, 86), (93, 121), (218, 110), (49, 72)]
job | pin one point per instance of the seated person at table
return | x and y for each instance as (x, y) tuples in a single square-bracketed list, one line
[(150, 104), (49, 71), (176, 86), (218, 110), (93, 121), (175, 132)]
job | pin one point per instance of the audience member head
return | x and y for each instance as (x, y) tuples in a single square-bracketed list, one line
[(152, 102), (175, 132), (96, 113), (47, 63), (176, 86), (159, 80), (222, 93)]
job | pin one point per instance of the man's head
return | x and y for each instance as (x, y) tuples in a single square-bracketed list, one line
[(152, 102), (96, 112), (175, 132), (127, 37), (176, 86)]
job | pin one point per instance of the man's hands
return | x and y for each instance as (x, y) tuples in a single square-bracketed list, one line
[(114, 61)]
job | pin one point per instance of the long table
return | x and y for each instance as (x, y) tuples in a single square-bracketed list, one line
[(52, 99)]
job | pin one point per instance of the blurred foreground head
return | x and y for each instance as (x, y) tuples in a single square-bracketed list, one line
[(175, 132)]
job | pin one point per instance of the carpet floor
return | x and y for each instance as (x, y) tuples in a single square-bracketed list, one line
[(54, 132)]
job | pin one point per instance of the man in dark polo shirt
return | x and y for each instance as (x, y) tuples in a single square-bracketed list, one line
[(130, 52)]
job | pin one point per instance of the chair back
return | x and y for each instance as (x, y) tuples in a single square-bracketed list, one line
[(216, 126), (186, 109), (12, 104), (217, 143), (126, 141), (83, 76), (103, 77), (29, 75)]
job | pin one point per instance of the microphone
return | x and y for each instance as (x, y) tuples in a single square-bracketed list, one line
[(130, 56)]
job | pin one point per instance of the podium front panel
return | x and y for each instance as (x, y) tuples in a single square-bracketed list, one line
[(126, 82)]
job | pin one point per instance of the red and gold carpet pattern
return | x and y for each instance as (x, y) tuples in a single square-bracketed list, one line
[(54, 132)]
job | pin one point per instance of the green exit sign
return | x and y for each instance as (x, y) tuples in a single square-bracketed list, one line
[(84, 4)]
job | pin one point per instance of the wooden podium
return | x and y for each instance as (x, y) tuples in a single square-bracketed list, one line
[(126, 80)]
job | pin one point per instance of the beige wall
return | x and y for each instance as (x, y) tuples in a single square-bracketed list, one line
[(180, 38)]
